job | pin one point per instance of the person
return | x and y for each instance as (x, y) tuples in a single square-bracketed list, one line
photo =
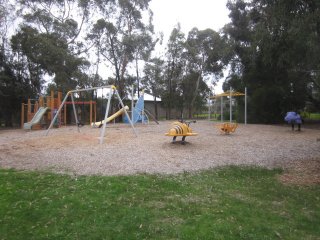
[(293, 118)]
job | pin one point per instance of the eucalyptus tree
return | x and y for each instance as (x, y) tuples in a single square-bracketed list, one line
[(13, 87), (49, 39), (143, 45), (153, 80), (276, 54), (205, 54), (7, 18), (175, 67), (120, 35)]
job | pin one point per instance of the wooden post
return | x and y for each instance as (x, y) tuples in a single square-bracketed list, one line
[(90, 112), (22, 114), (29, 110), (65, 114), (52, 100), (36, 107), (59, 98), (41, 101), (48, 100), (95, 111), (58, 104)]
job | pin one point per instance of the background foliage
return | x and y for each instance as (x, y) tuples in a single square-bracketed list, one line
[(270, 47)]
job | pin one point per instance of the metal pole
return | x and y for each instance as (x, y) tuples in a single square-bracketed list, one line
[(105, 117), (221, 109), (245, 105), (88, 89), (230, 106), (209, 105), (75, 112), (134, 130), (55, 117), (132, 103)]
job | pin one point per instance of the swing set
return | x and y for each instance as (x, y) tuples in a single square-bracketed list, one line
[(112, 91)]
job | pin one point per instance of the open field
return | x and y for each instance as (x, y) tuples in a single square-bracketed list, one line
[(65, 150)]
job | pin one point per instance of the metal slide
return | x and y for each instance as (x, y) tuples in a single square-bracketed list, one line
[(36, 118)]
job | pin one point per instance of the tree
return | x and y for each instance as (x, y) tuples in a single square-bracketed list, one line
[(120, 36), (205, 52), (270, 54), (174, 70), (154, 79), (48, 40), (13, 87), (143, 45)]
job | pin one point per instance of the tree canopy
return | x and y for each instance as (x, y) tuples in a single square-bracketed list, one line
[(270, 46), (275, 55)]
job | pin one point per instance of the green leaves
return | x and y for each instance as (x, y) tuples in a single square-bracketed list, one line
[(272, 42)]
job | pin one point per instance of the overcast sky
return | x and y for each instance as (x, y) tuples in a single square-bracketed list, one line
[(189, 13)]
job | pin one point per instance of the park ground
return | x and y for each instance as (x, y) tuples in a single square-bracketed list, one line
[(65, 150), (261, 182)]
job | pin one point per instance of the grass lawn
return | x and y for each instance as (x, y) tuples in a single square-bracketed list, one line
[(315, 116), (226, 203)]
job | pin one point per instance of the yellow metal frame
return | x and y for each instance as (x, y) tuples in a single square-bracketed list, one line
[(228, 94)]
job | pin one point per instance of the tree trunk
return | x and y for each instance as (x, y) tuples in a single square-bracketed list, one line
[(122, 80), (195, 92), (155, 107), (137, 72)]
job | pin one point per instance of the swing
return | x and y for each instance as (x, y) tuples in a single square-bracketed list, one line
[(82, 113), (96, 123)]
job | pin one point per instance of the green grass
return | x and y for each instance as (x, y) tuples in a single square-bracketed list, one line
[(311, 116), (227, 203), (315, 116), (206, 115)]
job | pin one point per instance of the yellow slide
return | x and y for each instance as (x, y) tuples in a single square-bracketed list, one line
[(117, 114)]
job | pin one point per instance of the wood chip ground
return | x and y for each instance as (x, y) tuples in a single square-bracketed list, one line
[(65, 150)]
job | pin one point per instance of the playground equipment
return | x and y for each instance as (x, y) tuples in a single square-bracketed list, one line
[(81, 104), (30, 111), (181, 129), (139, 113), (112, 90), (231, 94), (117, 114), (227, 128), (293, 118), (51, 103), (36, 118)]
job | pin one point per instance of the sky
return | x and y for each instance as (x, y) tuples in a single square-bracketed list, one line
[(189, 13)]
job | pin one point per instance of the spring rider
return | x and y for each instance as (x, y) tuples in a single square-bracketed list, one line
[(182, 129)]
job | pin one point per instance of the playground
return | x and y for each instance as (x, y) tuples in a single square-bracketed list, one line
[(65, 150)]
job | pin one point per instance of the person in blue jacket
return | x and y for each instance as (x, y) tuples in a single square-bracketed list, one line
[(294, 118)]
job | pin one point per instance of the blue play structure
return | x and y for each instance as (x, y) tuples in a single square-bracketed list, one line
[(293, 117), (139, 115)]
